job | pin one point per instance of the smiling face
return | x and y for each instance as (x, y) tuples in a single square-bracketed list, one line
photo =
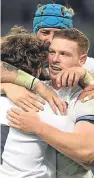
[(46, 34), (63, 53)]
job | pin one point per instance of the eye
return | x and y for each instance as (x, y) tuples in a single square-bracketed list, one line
[(62, 53), (45, 32), (51, 51)]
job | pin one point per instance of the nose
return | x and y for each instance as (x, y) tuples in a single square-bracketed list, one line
[(50, 37), (55, 57)]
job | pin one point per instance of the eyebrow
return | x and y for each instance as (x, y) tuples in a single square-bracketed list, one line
[(46, 30), (67, 52)]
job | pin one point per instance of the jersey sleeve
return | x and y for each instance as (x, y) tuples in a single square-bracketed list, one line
[(84, 111), (89, 64)]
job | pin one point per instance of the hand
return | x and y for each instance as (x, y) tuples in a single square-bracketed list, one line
[(51, 97), (22, 97), (24, 121), (87, 94), (70, 77)]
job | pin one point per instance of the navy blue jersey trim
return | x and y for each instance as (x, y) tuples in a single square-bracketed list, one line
[(88, 118)]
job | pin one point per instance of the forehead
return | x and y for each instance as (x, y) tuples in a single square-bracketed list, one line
[(63, 45), (49, 29)]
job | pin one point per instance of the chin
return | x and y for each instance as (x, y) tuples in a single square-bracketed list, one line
[(52, 77)]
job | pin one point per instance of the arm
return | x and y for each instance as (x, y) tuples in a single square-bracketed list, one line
[(11, 74), (78, 145), (71, 76), (87, 93), (8, 73), (22, 97)]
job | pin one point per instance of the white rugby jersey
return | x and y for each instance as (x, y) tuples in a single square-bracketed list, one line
[(89, 64), (27, 155)]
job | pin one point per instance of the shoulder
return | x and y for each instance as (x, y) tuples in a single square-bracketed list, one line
[(89, 64), (81, 110), (5, 105)]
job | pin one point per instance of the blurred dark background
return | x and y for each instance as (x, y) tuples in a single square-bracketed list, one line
[(21, 12)]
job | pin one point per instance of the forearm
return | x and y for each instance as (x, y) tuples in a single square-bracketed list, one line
[(11, 74), (72, 145), (8, 73), (87, 80)]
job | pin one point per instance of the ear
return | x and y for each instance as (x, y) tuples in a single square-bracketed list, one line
[(82, 59)]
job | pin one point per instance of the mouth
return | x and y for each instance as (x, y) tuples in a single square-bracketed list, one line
[(55, 68)]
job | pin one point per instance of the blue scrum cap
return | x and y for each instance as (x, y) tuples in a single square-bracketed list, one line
[(52, 16)]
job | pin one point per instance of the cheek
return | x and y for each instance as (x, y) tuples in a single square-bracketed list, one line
[(69, 62), (40, 36), (49, 58)]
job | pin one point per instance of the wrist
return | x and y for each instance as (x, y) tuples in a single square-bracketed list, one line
[(83, 73), (88, 78), (38, 87), (36, 84), (26, 80), (41, 128)]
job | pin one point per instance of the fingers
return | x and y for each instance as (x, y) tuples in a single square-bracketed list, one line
[(89, 88), (13, 116), (14, 112), (85, 96), (13, 120), (82, 95), (61, 105), (67, 79), (36, 98), (53, 106), (58, 104), (89, 97), (36, 104), (13, 125), (59, 78), (27, 105), (76, 80)]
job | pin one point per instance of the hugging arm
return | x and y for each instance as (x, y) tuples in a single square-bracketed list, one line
[(78, 145), (10, 74)]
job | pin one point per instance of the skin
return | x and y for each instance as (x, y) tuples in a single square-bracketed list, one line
[(24, 101), (71, 144), (61, 58), (46, 34)]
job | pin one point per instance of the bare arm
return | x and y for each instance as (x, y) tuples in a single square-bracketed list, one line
[(8, 73), (78, 145)]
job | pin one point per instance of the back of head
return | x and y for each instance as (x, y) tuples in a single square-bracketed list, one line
[(75, 35), (53, 16), (23, 50)]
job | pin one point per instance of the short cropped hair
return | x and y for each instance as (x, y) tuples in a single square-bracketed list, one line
[(23, 50), (74, 35)]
